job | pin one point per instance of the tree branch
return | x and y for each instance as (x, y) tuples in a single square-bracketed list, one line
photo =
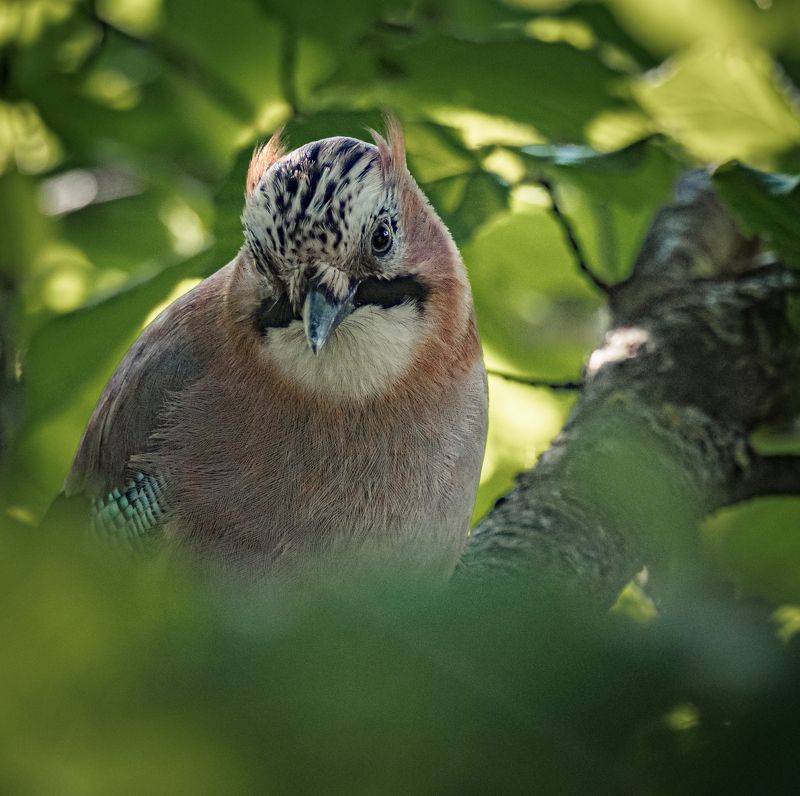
[(699, 352)]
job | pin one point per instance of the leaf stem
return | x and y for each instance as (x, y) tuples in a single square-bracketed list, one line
[(564, 386), (571, 237)]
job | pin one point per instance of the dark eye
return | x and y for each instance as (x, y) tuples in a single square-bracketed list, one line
[(381, 239)]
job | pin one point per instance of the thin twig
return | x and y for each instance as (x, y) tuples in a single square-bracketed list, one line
[(565, 386), (572, 239)]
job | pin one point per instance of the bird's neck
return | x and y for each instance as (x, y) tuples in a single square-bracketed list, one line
[(376, 351), (365, 358)]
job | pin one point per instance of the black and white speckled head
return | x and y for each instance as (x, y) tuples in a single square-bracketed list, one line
[(347, 272), (328, 210)]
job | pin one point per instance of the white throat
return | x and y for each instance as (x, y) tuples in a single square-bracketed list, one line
[(372, 348)]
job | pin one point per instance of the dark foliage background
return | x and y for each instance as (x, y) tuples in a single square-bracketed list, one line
[(125, 129)]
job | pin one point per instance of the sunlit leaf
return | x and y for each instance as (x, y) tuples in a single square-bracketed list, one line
[(533, 307), (605, 25), (519, 78), (722, 104)]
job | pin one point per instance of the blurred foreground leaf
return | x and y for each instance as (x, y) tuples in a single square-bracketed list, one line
[(128, 679)]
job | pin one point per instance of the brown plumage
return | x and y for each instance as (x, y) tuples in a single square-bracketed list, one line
[(321, 393)]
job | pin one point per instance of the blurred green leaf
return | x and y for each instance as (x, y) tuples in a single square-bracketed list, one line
[(234, 42), (22, 226), (615, 194), (68, 350), (722, 103), (533, 307), (372, 684), (119, 234), (465, 202), (764, 204), (760, 544), (518, 78), (339, 22), (605, 25)]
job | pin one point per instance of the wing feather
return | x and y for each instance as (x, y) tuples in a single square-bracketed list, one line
[(163, 361)]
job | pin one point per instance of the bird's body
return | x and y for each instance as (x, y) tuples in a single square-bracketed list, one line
[(317, 394)]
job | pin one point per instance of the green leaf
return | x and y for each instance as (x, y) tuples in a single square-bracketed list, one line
[(230, 47), (467, 201), (722, 103), (377, 684), (464, 194), (611, 196), (533, 308), (759, 543), (648, 166), (764, 204), (119, 234), (606, 26), (519, 78), (71, 349), (338, 22)]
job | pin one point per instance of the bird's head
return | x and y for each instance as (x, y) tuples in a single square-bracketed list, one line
[(354, 268)]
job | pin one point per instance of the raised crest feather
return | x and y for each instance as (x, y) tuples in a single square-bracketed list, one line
[(263, 157), (393, 151)]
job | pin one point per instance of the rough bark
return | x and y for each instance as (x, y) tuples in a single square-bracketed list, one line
[(699, 352)]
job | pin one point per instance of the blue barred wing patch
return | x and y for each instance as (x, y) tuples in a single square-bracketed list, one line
[(134, 514)]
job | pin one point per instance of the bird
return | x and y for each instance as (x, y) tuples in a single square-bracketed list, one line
[(322, 394)]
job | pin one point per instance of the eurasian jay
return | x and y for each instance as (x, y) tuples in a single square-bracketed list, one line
[(323, 392)]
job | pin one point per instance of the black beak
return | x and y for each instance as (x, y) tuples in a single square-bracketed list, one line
[(323, 312)]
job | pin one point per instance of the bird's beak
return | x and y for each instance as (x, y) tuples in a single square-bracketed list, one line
[(323, 312)]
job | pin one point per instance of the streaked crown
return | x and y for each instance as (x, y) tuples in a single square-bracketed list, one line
[(324, 209)]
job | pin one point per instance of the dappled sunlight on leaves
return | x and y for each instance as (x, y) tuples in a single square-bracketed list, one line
[(25, 141), (126, 128), (722, 104), (787, 617)]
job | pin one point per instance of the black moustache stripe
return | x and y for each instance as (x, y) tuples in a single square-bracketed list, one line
[(274, 314), (384, 293), (388, 293)]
